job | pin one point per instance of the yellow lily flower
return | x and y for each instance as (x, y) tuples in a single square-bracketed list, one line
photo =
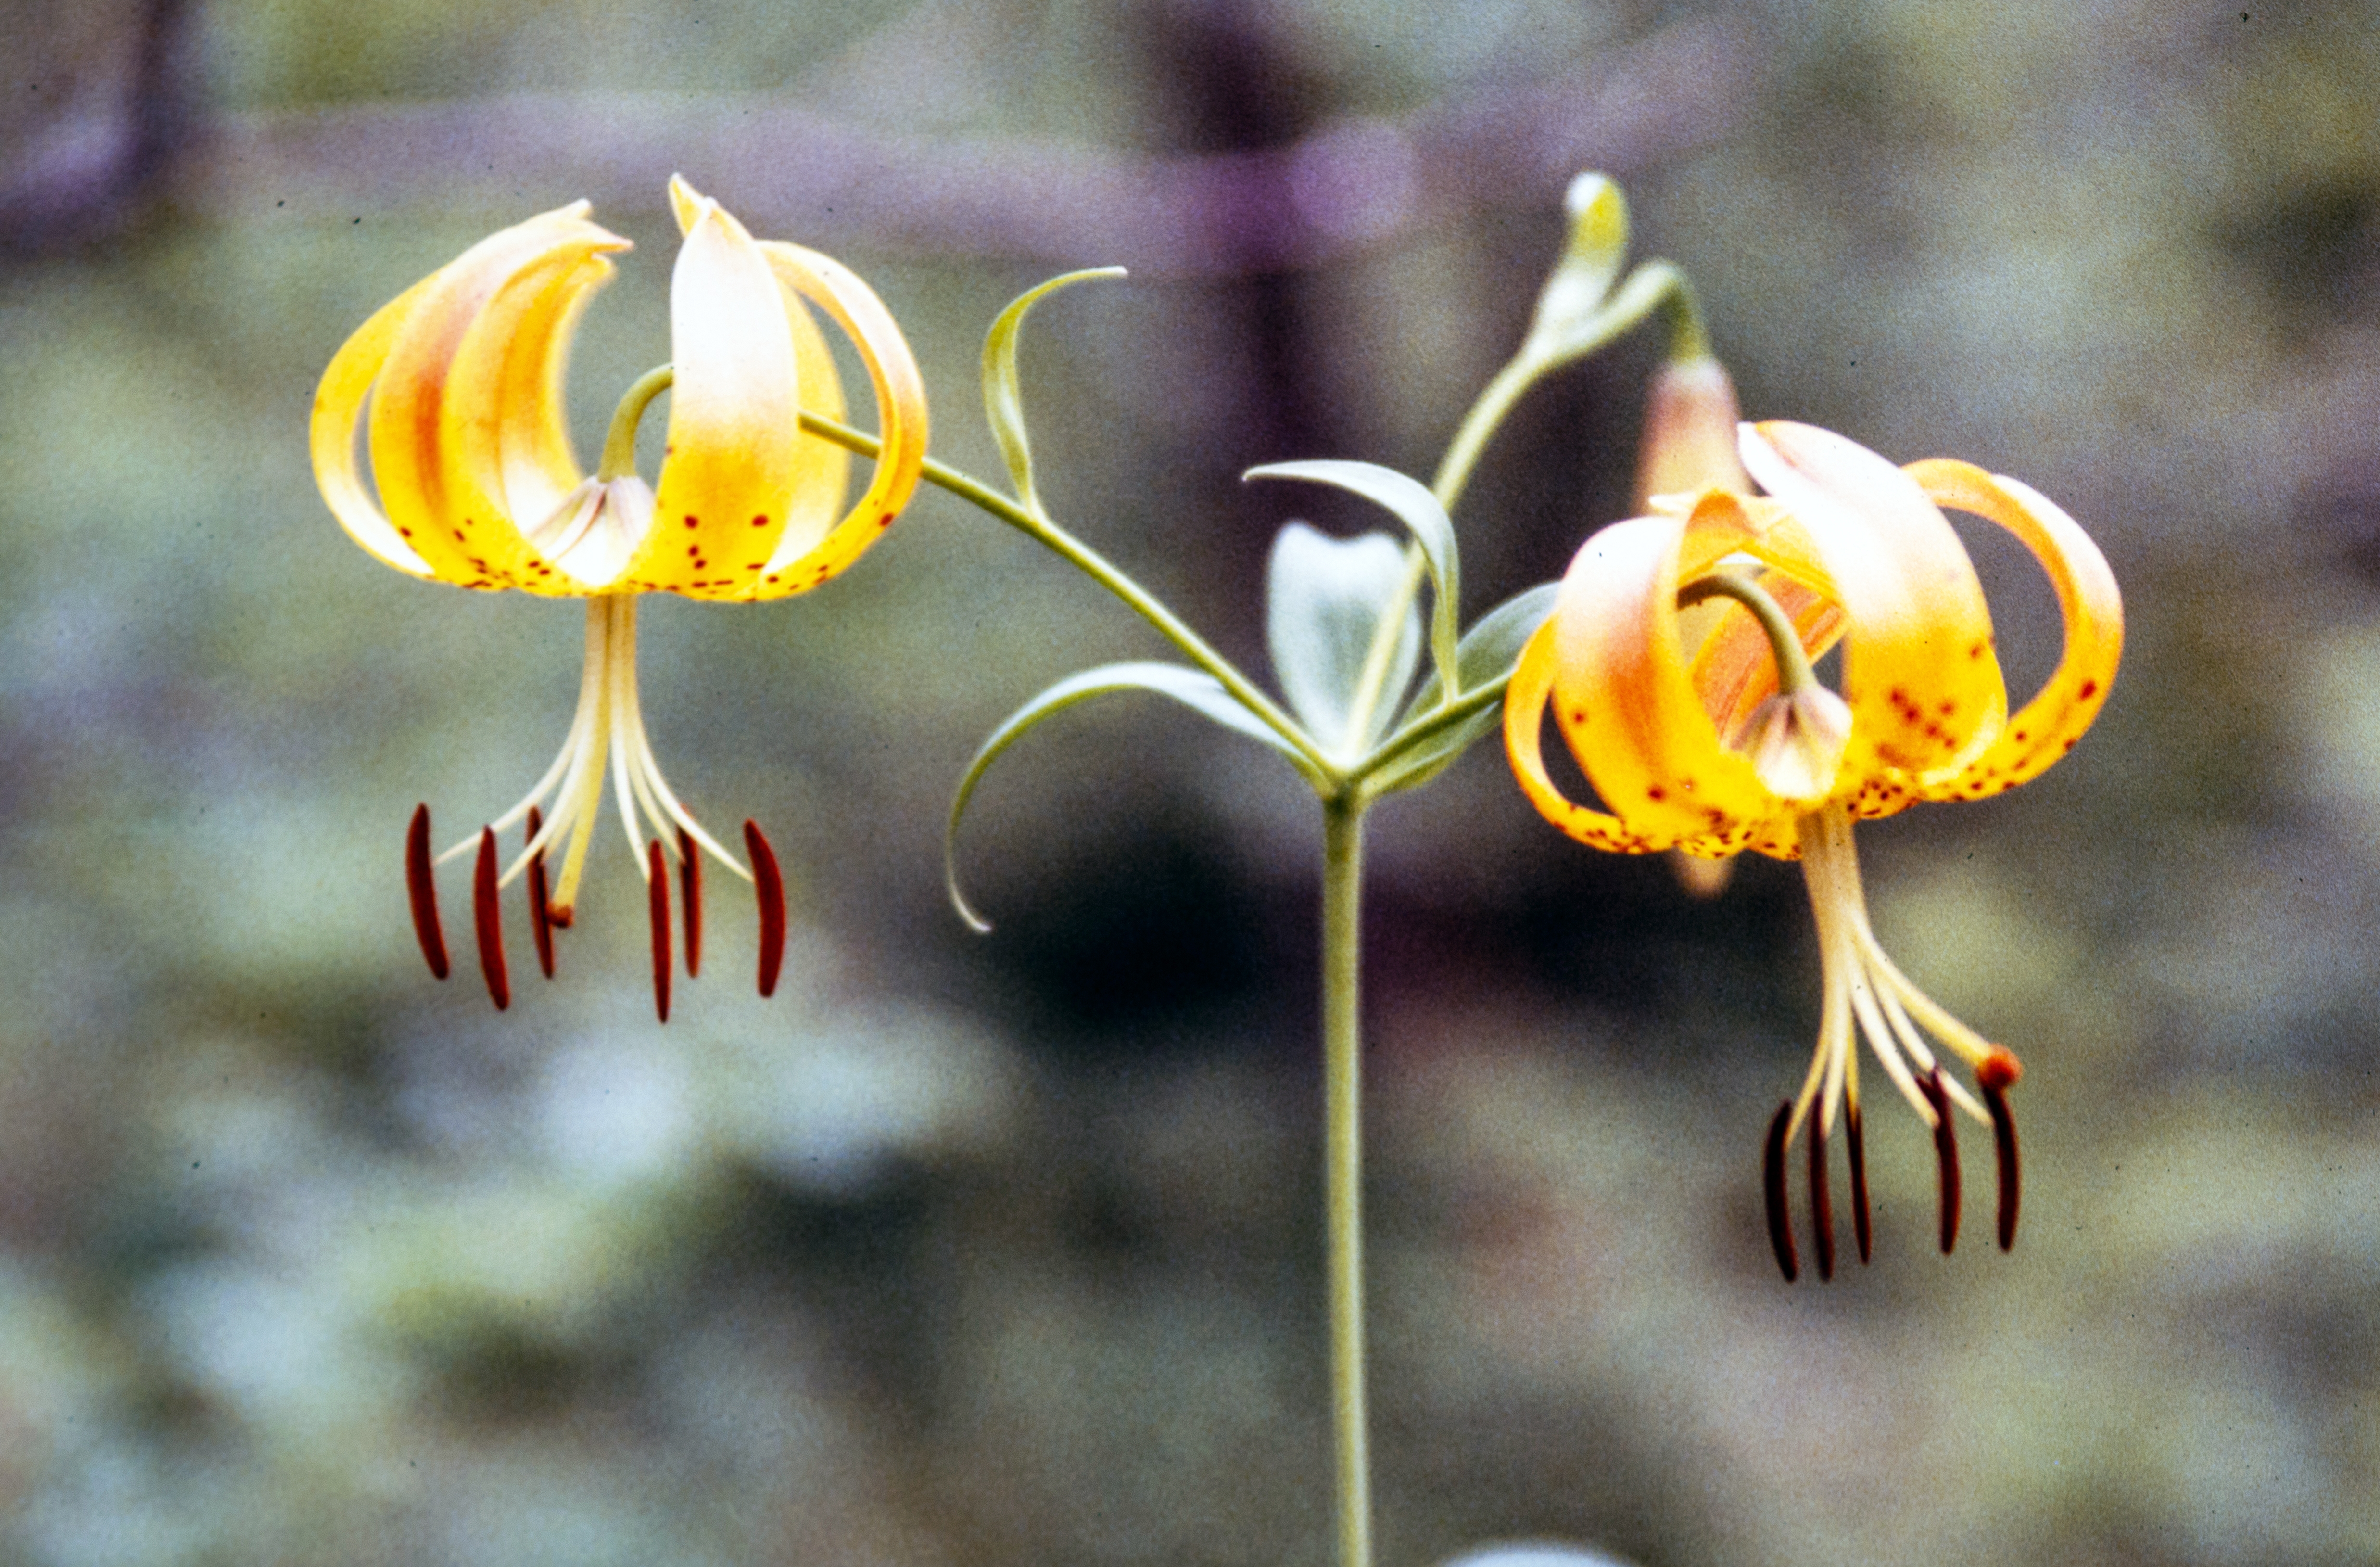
[(1704, 751), (459, 384)]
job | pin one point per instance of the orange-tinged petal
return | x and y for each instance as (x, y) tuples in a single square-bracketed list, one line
[(1625, 702), (407, 422), (1525, 722), (1735, 670), (2047, 727), (735, 406), (900, 412), (505, 440), (338, 401), (1918, 670)]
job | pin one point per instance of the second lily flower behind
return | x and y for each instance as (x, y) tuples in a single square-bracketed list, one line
[(1732, 744), (471, 459)]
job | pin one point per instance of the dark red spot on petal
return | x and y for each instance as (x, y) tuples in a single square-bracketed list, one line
[(693, 521), (487, 925), (769, 886), (1772, 1186), (1656, 793), (421, 887), (760, 521), (2088, 689)]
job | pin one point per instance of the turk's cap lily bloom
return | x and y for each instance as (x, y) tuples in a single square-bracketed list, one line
[(457, 387), (1695, 744), (469, 443)]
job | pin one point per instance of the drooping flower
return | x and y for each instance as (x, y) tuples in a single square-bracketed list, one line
[(1732, 744), (459, 384)]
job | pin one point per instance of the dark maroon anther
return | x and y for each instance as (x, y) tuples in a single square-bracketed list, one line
[(1994, 1077), (1822, 1203), (421, 887), (1858, 1152), (770, 884), (484, 920), (657, 902), (1772, 1185), (540, 910), (1946, 1153), (690, 886)]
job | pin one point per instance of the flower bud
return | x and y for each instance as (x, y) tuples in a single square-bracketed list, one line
[(1690, 418)]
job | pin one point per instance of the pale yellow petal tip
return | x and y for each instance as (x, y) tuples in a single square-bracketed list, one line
[(687, 204)]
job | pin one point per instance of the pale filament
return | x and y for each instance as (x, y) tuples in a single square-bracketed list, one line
[(608, 728), (1866, 994)]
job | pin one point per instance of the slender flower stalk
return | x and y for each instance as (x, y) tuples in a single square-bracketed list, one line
[(1347, 632)]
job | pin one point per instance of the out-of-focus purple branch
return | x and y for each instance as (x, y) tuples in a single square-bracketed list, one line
[(789, 170), (97, 109)]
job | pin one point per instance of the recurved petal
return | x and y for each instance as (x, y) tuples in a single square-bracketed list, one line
[(1918, 669), (1524, 720), (2047, 727), (504, 440), (826, 283), (338, 402), (1626, 703), (409, 423), (821, 468), (735, 406)]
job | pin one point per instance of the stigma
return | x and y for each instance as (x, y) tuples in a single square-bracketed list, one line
[(558, 818)]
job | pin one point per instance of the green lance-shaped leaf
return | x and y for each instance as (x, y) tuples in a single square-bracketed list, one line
[(1004, 399), (1411, 503), (1193, 688), (1482, 664), (1324, 603)]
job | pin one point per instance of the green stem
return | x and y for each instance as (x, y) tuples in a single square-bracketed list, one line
[(1794, 672), (1091, 564), (1342, 880), (620, 443), (1438, 719), (1488, 411), (1655, 285)]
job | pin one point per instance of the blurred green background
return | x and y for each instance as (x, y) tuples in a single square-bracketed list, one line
[(1002, 1251)]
